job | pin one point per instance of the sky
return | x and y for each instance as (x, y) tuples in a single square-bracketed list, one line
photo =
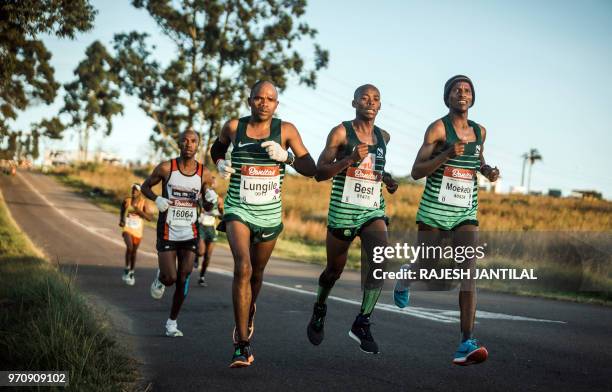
[(541, 72)]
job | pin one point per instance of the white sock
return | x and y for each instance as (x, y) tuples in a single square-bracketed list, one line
[(404, 283)]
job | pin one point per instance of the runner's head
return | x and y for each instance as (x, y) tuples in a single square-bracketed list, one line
[(366, 101), (135, 190), (459, 93), (188, 143), (263, 100)]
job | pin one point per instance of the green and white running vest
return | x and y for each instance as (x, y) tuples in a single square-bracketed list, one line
[(451, 192), (254, 192), (356, 194)]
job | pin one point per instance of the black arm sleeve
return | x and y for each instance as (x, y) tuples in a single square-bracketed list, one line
[(305, 165), (218, 150)]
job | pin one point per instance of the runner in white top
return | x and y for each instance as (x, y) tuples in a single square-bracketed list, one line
[(183, 181)]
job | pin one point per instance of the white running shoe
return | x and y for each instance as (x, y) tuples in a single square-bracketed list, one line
[(172, 330), (130, 280), (202, 282), (157, 288), (124, 278)]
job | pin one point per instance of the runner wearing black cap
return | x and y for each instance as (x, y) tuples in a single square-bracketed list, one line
[(451, 154)]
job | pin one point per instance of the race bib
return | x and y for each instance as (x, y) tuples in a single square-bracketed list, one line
[(259, 184), (133, 222), (457, 187), (208, 220), (182, 213), (362, 187)]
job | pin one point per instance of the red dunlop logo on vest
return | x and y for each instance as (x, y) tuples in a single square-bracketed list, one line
[(260, 171), (455, 172), (364, 174)]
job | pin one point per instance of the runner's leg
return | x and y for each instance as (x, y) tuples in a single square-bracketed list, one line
[(337, 254), (167, 267), (186, 258), (133, 256), (238, 236), (208, 249), (260, 254), (129, 246), (372, 235), (467, 235)]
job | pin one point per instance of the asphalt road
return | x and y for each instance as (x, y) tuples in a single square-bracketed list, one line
[(534, 344)]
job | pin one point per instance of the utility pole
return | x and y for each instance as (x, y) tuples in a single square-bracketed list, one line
[(532, 156)]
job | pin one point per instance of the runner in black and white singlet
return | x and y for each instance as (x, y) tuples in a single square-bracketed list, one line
[(183, 181), (451, 153), (252, 215), (355, 156)]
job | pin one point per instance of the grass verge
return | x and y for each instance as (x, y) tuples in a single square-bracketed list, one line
[(45, 324)]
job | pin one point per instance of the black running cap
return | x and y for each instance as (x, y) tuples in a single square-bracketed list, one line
[(451, 82)]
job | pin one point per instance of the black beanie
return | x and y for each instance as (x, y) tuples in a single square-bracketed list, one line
[(458, 78)]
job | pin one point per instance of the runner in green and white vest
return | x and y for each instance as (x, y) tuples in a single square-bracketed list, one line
[(450, 156), (355, 156), (252, 216)]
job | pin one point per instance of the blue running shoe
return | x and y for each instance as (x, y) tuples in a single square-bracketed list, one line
[(401, 295), (401, 292), (470, 352)]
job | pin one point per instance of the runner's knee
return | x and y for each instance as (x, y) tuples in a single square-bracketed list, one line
[(167, 280), (256, 275), (243, 271), (329, 276)]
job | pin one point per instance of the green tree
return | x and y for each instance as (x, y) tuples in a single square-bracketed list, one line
[(92, 99), (222, 48), (26, 77)]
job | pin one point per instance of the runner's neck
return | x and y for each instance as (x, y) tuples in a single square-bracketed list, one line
[(365, 127), (260, 126), (459, 120), (187, 165)]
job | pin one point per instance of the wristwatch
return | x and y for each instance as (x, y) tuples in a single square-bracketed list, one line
[(290, 159), (483, 168)]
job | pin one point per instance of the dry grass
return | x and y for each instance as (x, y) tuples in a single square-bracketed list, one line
[(305, 204)]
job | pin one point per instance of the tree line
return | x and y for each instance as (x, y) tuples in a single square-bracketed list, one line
[(221, 48)]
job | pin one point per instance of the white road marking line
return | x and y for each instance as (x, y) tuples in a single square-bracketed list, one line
[(438, 315)]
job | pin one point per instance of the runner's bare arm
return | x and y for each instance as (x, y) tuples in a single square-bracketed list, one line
[(145, 213), (160, 172), (220, 205), (387, 179), (327, 165), (424, 164), (386, 136), (304, 164), (122, 213), (206, 179), (492, 174)]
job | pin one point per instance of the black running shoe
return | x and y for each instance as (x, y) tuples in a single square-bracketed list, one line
[(360, 332), (315, 329), (243, 356)]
